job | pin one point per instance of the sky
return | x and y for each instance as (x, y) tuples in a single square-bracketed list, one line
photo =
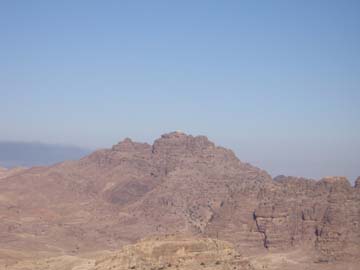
[(276, 81)]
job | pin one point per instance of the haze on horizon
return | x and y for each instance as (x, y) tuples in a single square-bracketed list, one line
[(279, 83)]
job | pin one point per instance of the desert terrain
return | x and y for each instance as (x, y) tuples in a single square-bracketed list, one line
[(180, 203)]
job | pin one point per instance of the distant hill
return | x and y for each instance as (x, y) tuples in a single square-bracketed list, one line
[(34, 154)]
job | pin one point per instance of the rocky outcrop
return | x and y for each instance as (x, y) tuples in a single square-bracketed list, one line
[(300, 212), (338, 234), (174, 252)]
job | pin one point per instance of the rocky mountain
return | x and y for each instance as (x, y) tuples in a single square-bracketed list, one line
[(179, 185)]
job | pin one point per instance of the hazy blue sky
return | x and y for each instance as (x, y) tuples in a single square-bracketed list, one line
[(277, 81)]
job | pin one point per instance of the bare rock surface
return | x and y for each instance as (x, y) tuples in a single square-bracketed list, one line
[(180, 184), (322, 214), (175, 253)]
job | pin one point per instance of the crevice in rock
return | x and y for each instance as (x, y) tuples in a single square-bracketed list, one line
[(263, 232)]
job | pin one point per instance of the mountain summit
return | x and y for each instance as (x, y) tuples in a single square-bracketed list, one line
[(179, 185)]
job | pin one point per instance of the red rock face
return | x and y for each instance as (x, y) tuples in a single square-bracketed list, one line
[(181, 184), (323, 214)]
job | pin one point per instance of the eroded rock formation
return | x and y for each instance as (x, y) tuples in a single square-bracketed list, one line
[(180, 184)]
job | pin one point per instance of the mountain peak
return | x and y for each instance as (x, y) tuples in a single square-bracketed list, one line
[(128, 145), (177, 141), (182, 183), (336, 182), (175, 134), (181, 136)]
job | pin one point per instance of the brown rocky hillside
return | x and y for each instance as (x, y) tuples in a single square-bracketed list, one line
[(179, 185)]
